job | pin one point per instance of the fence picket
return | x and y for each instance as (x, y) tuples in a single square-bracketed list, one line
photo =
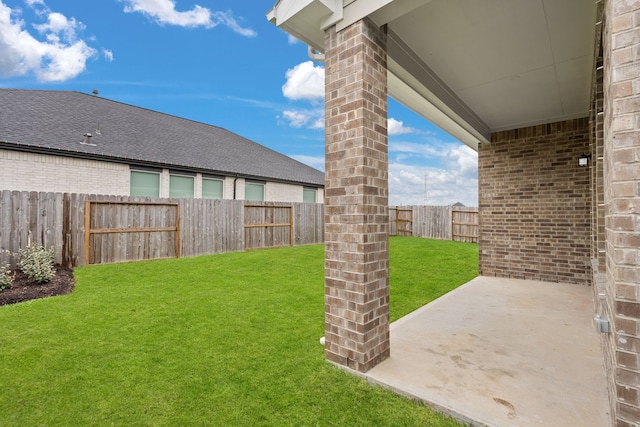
[(206, 225), (435, 222)]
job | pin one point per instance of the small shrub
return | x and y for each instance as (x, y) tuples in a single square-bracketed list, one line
[(6, 275), (37, 263)]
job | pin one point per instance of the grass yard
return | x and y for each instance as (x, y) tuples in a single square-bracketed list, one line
[(225, 340)]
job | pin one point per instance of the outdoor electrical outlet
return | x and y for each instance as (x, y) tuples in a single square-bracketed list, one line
[(601, 324)]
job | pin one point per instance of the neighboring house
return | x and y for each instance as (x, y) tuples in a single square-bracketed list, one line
[(63, 141)]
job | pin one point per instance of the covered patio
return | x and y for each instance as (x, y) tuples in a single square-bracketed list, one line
[(547, 92), (527, 355)]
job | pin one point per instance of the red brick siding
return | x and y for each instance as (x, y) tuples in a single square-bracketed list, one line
[(534, 201)]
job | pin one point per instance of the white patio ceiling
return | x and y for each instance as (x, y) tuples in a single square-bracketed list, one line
[(471, 67)]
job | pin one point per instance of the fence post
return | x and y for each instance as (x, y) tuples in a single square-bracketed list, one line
[(178, 230), (87, 228)]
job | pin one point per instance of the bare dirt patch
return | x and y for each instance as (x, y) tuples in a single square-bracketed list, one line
[(24, 289)]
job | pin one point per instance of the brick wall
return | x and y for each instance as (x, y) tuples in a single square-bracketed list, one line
[(279, 192), (356, 197), (534, 203), (621, 41), (603, 302), (598, 245), (40, 172)]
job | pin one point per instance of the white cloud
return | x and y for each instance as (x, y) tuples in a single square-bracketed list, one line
[(164, 12), (60, 56), (318, 123), (397, 127), (305, 81), (58, 27), (291, 39), (407, 186), (311, 119), (227, 19), (108, 54), (455, 181), (316, 162), (465, 160), (297, 119)]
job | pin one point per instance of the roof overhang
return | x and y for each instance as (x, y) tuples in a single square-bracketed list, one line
[(471, 68), (306, 20)]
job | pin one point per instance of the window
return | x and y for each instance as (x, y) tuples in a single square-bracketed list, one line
[(254, 192), (212, 188), (145, 184), (309, 195), (180, 186)]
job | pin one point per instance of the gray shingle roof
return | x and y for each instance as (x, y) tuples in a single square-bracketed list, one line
[(55, 121)]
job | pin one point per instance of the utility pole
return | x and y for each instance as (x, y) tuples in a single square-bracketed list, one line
[(425, 189)]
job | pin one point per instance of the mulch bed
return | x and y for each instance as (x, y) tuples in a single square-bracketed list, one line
[(24, 289)]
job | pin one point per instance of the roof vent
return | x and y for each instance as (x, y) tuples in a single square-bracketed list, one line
[(87, 139)]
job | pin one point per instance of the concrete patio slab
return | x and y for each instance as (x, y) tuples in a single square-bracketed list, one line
[(502, 352)]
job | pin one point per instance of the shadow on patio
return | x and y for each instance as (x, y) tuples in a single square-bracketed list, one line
[(502, 352)]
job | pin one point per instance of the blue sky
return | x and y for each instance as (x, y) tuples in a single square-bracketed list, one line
[(218, 62)]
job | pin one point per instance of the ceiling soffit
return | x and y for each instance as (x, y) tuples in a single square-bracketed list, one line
[(471, 67), (513, 63)]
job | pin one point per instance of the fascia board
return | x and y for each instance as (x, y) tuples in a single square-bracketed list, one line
[(285, 10), (380, 11), (419, 99), (415, 74), (306, 19)]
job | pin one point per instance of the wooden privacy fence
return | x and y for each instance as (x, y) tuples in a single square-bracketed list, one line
[(99, 229), (268, 226), (435, 222), (131, 228), (464, 225), (130, 231), (31, 217), (400, 221)]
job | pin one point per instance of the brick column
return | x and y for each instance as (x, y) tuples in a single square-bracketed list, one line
[(622, 202), (356, 197)]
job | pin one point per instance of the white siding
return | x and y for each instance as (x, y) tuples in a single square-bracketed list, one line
[(164, 183), (278, 192), (239, 190), (197, 186), (42, 172), (227, 191)]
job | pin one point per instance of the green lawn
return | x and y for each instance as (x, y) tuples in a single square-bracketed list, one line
[(226, 340)]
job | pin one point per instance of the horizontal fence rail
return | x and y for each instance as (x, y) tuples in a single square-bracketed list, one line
[(268, 226), (123, 228), (400, 221), (464, 225), (457, 223), (130, 231)]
